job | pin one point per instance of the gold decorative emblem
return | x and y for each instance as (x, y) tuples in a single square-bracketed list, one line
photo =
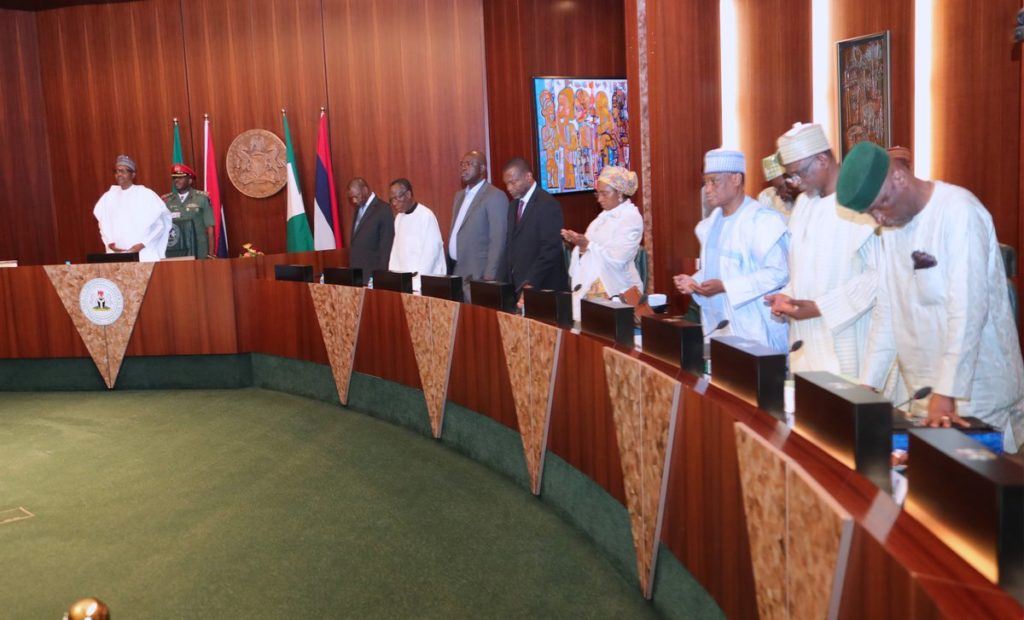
[(256, 163)]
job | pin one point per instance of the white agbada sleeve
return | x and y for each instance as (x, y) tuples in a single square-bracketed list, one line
[(841, 306), (881, 349), (154, 236), (964, 236), (770, 251)]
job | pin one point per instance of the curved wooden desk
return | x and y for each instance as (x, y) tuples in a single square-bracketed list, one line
[(896, 567)]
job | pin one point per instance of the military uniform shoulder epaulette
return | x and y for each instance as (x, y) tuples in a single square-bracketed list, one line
[(199, 192)]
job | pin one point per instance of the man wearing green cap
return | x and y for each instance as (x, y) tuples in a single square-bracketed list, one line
[(943, 309)]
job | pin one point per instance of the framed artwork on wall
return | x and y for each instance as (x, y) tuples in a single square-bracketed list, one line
[(581, 127), (864, 94)]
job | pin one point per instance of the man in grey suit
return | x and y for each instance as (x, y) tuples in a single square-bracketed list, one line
[(476, 246), (373, 229)]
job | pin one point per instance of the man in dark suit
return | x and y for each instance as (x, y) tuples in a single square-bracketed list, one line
[(534, 248), (373, 229), (476, 246)]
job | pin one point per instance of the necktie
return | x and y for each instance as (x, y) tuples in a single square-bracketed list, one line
[(519, 213), (359, 217)]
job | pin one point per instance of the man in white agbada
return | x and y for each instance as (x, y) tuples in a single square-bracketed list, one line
[(603, 258), (132, 218), (417, 246), (743, 256), (778, 195), (833, 253), (943, 307)]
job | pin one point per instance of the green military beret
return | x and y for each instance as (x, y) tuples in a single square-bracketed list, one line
[(861, 177)]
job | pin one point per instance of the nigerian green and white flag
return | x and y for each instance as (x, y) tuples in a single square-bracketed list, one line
[(300, 239)]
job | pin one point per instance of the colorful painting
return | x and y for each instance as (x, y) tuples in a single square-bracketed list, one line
[(581, 127), (864, 91)]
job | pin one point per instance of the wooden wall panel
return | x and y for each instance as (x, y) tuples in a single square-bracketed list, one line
[(684, 89), (189, 309), (527, 38), (385, 348), (479, 377), (976, 106), (114, 77), (406, 86), (29, 233), (854, 18), (582, 429), (284, 321), (36, 323), (247, 59), (774, 38)]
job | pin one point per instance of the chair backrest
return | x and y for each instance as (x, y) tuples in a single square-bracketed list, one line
[(642, 267), (1010, 262)]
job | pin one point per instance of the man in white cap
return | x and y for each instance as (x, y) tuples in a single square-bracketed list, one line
[(778, 194), (742, 256), (832, 257), (943, 306), (132, 218)]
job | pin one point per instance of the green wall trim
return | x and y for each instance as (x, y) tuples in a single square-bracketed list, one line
[(569, 492), (181, 372)]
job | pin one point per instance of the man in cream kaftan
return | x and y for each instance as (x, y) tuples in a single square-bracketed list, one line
[(943, 307), (832, 259)]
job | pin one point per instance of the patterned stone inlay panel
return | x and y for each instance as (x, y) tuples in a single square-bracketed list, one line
[(643, 406), (531, 349), (763, 484), (105, 343), (818, 538), (545, 341), (339, 310), (432, 324)]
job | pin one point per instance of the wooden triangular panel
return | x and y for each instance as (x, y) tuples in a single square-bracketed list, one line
[(660, 395), (818, 536), (531, 353), (545, 341), (763, 484), (432, 323), (339, 310), (644, 402), (106, 343)]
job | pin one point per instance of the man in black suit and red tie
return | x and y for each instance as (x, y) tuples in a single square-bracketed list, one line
[(534, 249), (373, 229)]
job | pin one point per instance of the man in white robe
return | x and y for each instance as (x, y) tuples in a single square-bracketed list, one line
[(943, 305), (132, 218), (743, 257), (778, 195), (417, 246), (833, 252)]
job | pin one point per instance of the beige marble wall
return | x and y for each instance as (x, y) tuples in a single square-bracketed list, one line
[(339, 310), (105, 343), (531, 354), (644, 403), (432, 323)]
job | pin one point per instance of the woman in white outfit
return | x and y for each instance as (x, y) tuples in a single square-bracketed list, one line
[(603, 258)]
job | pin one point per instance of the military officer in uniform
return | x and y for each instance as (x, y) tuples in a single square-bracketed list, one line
[(190, 211)]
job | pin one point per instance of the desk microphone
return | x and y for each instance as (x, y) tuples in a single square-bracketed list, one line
[(721, 325), (918, 395)]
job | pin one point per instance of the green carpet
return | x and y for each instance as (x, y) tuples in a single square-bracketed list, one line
[(250, 503)]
